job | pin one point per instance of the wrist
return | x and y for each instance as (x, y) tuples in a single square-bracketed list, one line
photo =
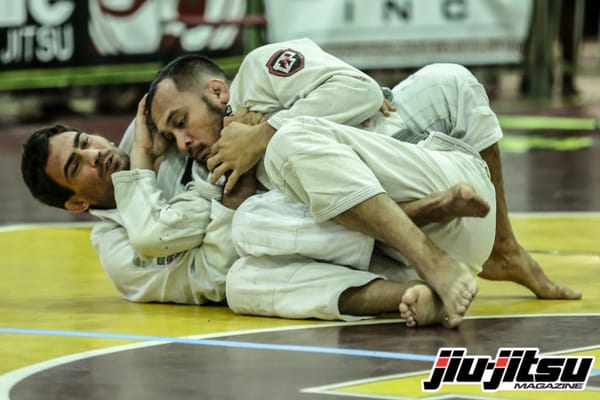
[(245, 187), (266, 132), (140, 159)]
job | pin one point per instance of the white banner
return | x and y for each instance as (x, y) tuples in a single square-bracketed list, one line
[(406, 33)]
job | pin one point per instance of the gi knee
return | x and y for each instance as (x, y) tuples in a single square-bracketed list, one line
[(448, 73), (289, 139)]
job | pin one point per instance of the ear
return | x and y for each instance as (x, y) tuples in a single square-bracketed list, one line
[(75, 204), (219, 90)]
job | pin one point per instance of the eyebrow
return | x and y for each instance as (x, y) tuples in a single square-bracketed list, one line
[(168, 122), (171, 116), (72, 156)]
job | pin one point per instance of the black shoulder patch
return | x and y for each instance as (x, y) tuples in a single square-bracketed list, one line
[(285, 62)]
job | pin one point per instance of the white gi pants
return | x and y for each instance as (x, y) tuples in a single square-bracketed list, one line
[(331, 168), (446, 98), (322, 165)]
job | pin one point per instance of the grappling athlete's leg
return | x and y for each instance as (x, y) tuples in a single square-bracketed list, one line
[(381, 218), (376, 165), (459, 201), (417, 302), (509, 261), (465, 113)]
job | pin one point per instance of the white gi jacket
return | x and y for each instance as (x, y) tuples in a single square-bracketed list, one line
[(282, 272), (282, 80), (158, 250), (179, 250), (297, 78)]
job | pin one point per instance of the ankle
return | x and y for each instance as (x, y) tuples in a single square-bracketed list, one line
[(505, 245)]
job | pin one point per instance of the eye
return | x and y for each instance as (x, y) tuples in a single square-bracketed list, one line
[(85, 142), (167, 136), (75, 168), (181, 123)]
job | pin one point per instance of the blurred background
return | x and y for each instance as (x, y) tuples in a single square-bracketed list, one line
[(88, 62)]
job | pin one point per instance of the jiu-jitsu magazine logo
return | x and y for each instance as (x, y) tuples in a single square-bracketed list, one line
[(513, 369)]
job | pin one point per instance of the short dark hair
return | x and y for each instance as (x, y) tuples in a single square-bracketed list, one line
[(188, 72), (33, 167)]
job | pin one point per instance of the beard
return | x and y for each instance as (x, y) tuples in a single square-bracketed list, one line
[(216, 115)]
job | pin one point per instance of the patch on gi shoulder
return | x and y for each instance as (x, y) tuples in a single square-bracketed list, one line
[(285, 62)]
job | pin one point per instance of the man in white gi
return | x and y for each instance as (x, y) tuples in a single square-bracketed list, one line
[(303, 79), (352, 196), (183, 251), (159, 240), (181, 122)]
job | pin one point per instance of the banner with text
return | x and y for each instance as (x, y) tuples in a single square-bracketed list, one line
[(406, 33), (109, 40)]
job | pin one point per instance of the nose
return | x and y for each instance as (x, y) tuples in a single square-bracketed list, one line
[(184, 142), (90, 156)]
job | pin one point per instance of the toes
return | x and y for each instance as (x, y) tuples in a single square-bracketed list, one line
[(571, 294), (562, 292), (452, 321), (408, 314), (410, 296), (462, 304), (404, 311)]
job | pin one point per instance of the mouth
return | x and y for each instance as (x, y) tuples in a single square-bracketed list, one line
[(202, 155), (111, 164)]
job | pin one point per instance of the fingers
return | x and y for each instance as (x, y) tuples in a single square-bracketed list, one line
[(241, 112), (235, 117), (213, 161), (246, 117), (214, 149), (142, 105), (218, 172), (214, 178), (231, 181), (221, 170), (387, 107)]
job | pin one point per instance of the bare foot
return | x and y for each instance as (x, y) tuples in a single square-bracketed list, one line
[(515, 264), (459, 201), (421, 306), (456, 286)]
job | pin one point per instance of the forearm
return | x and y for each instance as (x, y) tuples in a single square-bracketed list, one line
[(246, 186), (164, 278), (157, 227), (146, 147), (264, 134), (345, 99), (140, 159)]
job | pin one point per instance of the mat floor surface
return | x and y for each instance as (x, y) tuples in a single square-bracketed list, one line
[(65, 333)]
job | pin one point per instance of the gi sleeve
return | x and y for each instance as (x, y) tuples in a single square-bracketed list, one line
[(131, 276), (189, 277), (297, 78), (157, 227), (344, 99)]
